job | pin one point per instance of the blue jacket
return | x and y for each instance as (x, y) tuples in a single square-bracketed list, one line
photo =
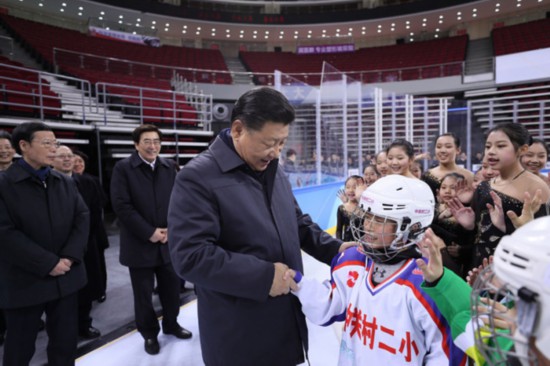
[(225, 232)]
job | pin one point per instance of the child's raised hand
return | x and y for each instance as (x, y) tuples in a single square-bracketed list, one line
[(465, 216), (496, 212), (530, 206), (464, 191), (474, 273), (342, 195), (429, 246)]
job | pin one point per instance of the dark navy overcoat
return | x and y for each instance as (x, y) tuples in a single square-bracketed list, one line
[(39, 224), (225, 233)]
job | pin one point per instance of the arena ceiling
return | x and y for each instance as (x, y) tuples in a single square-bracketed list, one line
[(218, 26)]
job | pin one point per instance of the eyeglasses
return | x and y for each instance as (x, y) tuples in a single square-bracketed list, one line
[(148, 142), (50, 143), (65, 156)]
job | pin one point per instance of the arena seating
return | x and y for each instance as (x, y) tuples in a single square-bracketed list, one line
[(24, 92), (417, 60), (521, 37), (137, 61)]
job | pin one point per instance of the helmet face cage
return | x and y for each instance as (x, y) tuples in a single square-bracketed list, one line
[(503, 321), (406, 204), (384, 237)]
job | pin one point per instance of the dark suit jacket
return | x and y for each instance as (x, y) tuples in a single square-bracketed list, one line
[(225, 233), (38, 226), (97, 238), (140, 199)]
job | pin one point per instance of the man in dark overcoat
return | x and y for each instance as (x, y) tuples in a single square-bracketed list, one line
[(43, 229), (63, 163), (235, 228), (140, 193)]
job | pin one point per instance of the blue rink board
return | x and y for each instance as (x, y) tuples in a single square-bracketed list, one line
[(320, 202)]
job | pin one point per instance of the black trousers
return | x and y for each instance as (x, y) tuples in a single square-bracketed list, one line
[(143, 280), (61, 327)]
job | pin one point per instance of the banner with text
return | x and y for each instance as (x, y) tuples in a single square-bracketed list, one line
[(334, 48), (124, 36)]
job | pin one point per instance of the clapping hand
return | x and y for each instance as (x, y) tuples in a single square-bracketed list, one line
[(342, 195), (465, 216), (464, 191), (530, 206), (496, 212)]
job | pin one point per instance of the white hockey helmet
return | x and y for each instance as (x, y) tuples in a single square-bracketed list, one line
[(406, 203), (521, 266)]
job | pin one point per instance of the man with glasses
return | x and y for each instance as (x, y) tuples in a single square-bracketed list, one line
[(140, 193), (43, 229), (64, 164)]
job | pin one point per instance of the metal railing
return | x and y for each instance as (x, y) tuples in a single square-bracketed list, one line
[(71, 60), (29, 92), (160, 106)]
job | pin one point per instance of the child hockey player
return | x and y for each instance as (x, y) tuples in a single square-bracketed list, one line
[(375, 287)]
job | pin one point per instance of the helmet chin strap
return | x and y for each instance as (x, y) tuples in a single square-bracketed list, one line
[(392, 256)]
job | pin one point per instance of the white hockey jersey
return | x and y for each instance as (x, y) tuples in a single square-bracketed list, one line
[(392, 323)]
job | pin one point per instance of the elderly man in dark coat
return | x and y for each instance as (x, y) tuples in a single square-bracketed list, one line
[(63, 163), (43, 229), (140, 193), (235, 228)]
